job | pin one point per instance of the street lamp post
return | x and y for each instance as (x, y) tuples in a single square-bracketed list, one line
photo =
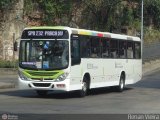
[(142, 41)]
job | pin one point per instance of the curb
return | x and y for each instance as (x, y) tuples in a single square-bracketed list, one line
[(8, 71), (4, 85)]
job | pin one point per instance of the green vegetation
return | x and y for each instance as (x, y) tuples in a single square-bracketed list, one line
[(53, 10), (56, 9), (102, 15), (97, 14), (152, 13), (6, 4), (151, 35), (8, 64)]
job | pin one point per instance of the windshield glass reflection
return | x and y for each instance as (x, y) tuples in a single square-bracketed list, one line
[(43, 54)]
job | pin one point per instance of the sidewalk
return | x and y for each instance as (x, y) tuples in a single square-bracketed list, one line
[(9, 77), (4, 85)]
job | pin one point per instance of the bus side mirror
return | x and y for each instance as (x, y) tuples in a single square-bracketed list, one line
[(15, 46)]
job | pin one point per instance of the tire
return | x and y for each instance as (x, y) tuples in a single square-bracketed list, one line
[(121, 85), (85, 87), (42, 93)]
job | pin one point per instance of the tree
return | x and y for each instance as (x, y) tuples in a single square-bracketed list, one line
[(6, 4), (102, 14), (55, 11), (152, 13)]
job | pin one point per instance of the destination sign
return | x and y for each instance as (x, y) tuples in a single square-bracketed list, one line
[(45, 34)]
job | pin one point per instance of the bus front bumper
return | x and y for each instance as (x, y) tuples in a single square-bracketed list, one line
[(43, 85)]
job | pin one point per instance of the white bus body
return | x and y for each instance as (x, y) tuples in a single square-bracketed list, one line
[(100, 71)]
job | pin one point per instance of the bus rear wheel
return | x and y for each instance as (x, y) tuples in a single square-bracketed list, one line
[(121, 85), (42, 93)]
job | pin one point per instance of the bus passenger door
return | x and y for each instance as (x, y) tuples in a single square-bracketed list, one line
[(75, 63)]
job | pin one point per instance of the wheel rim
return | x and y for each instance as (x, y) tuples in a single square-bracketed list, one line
[(121, 84), (84, 87)]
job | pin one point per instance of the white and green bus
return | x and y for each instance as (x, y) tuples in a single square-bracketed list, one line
[(69, 59)]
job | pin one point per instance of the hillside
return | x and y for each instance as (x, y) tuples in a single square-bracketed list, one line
[(118, 16)]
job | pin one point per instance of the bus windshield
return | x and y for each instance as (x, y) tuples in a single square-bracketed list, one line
[(44, 54)]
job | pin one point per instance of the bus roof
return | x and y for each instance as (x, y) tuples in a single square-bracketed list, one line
[(89, 32)]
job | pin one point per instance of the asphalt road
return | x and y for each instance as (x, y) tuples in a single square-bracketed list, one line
[(142, 97)]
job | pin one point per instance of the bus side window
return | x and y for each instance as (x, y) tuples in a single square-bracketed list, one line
[(75, 50), (85, 45), (114, 48), (122, 49), (137, 49), (130, 49), (95, 47), (105, 48)]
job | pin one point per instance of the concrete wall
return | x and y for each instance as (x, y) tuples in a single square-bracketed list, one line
[(13, 25)]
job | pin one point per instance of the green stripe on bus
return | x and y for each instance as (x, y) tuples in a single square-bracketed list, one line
[(43, 74)]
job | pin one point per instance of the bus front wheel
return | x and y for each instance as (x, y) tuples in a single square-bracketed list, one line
[(84, 90)]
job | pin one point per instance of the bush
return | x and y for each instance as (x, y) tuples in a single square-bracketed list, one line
[(8, 64), (151, 35)]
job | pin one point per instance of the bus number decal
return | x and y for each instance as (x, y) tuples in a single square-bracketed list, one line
[(91, 66)]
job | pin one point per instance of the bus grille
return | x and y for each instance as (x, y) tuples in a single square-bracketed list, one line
[(37, 73), (41, 84)]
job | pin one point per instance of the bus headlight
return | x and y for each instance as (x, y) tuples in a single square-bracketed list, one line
[(22, 76), (62, 77)]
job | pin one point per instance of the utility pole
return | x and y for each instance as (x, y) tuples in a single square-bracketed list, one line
[(142, 41)]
